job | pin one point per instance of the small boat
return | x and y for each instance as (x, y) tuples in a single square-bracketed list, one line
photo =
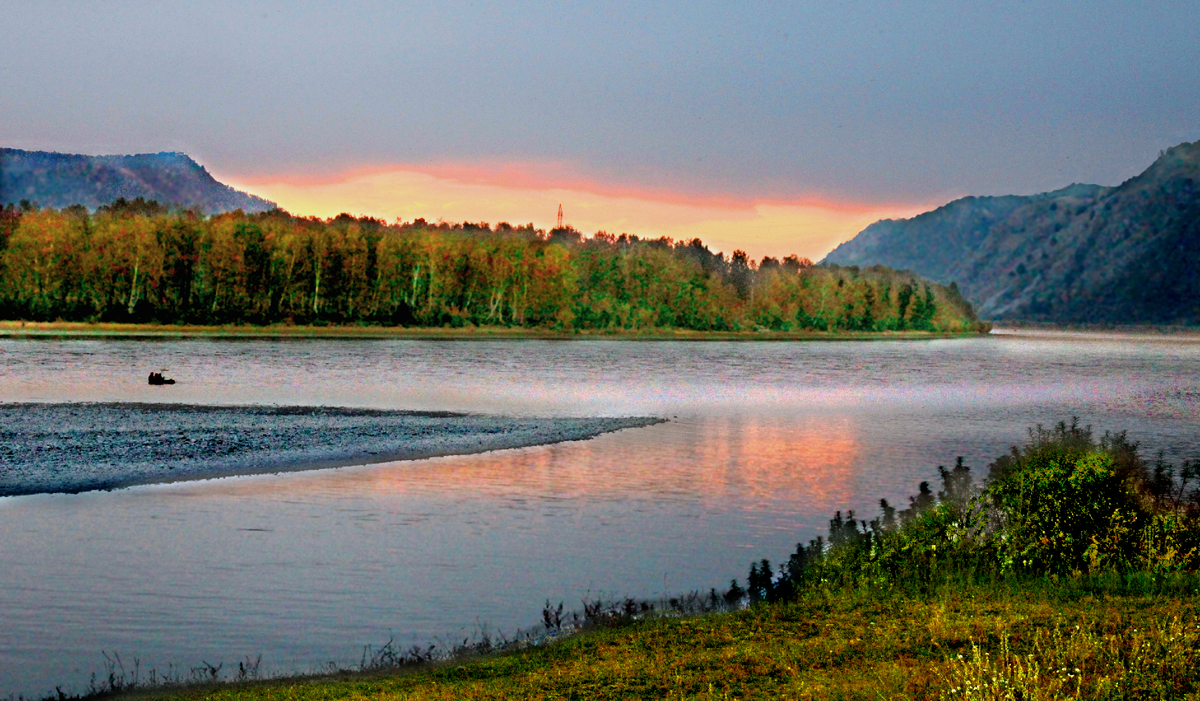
[(156, 378)]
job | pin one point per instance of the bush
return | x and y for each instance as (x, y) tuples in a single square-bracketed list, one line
[(1064, 505), (1070, 506)]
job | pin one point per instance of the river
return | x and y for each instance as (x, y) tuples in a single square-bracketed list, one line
[(764, 441)]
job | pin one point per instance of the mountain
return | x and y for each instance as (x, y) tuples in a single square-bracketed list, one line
[(60, 180), (1128, 254)]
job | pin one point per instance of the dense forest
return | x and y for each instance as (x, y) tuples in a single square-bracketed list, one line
[(134, 261)]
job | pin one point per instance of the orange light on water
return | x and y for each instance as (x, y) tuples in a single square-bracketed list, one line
[(730, 462)]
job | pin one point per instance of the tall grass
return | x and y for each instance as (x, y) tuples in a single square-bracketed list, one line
[(1088, 660), (1065, 516), (1065, 505)]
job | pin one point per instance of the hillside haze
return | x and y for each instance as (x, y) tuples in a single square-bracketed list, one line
[(60, 180), (1083, 254)]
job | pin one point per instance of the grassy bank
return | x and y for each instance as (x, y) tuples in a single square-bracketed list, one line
[(1094, 638), (1073, 571), (70, 328)]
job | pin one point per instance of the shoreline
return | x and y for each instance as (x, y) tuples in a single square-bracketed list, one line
[(1141, 332), (166, 444), (79, 329)]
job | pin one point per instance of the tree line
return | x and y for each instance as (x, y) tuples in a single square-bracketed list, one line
[(135, 261)]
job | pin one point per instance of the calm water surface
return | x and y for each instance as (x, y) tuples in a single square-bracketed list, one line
[(765, 441)]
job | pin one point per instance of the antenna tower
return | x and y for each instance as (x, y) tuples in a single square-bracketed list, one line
[(559, 217)]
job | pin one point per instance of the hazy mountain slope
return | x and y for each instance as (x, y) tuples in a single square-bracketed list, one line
[(930, 244), (59, 180), (935, 244), (1128, 254)]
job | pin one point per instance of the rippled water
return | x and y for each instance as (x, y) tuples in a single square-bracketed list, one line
[(765, 441)]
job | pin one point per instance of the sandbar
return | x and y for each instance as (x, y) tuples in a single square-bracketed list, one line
[(79, 447)]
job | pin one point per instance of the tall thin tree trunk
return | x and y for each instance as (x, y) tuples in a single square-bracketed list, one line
[(416, 287), (316, 287), (133, 287)]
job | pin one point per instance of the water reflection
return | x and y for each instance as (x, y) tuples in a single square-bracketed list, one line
[(765, 442), (753, 462)]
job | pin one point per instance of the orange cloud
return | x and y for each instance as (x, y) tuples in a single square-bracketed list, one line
[(526, 193)]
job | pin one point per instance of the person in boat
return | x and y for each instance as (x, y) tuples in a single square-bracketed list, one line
[(156, 378)]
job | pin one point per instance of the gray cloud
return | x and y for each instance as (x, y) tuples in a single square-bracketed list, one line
[(878, 101)]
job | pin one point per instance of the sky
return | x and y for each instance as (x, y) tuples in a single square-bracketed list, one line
[(776, 128)]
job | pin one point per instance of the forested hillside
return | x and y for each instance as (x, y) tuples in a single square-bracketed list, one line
[(136, 262), (62, 179), (1084, 254), (936, 244)]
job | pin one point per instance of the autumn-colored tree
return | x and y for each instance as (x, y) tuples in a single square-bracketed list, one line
[(136, 261)]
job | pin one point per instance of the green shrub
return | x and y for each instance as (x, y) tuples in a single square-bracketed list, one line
[(1067, 513), (1064, 505)]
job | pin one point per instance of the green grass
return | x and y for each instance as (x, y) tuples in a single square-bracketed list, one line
[(977, 642)]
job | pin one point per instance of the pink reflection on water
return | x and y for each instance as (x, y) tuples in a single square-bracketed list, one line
[(721, 462)]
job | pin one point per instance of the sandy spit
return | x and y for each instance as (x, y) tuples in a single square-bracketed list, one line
[(75, 447)]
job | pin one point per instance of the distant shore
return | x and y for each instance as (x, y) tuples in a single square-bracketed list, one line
[(1044, 327), (104, 329)]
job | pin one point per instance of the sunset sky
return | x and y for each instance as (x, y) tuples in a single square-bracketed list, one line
[(774, 127)]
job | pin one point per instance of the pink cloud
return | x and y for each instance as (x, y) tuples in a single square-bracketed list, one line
[(531, 192)]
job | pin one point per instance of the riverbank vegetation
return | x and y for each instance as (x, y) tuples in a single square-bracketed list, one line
[(1071, 572), (1127, 641), (135, 262), (80, 329)]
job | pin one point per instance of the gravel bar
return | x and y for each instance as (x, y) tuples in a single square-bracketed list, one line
[(74, 447)]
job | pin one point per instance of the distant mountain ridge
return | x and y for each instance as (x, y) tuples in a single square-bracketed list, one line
[(60, 180), (1082, 254)]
